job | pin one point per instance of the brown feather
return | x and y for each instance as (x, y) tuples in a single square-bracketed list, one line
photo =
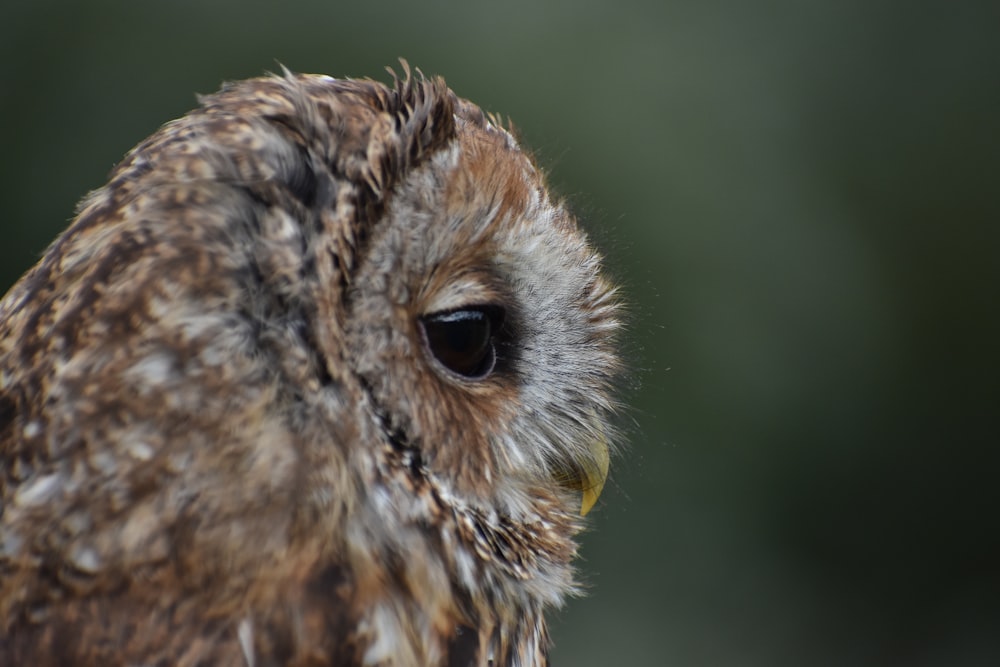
[(223, 437)]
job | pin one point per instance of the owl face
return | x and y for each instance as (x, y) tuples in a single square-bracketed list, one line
[(493, 341), (323, 374)]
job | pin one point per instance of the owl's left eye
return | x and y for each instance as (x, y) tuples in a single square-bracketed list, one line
[(463, 340)]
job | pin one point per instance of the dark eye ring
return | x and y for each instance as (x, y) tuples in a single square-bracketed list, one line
[(464, 340)]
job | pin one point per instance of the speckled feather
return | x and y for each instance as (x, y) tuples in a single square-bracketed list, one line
[(223, 439)]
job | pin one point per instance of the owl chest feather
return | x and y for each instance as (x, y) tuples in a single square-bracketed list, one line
[(448, 579)]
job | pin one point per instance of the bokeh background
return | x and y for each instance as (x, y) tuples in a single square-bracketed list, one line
[(801, 199)]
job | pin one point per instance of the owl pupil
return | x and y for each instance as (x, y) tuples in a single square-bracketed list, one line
[(462, 340)]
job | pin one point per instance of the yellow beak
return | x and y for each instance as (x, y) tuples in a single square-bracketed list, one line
[(595, 472)]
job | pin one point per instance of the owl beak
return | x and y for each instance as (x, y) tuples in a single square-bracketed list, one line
[(595, 472)]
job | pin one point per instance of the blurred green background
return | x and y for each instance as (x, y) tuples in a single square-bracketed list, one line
[(802, 201)]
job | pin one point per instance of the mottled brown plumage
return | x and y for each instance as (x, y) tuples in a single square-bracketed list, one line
[(316, 379)]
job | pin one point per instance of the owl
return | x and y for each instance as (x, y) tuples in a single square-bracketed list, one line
[(322, 376)]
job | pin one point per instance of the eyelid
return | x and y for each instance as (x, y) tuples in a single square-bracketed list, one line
[(458, 315), (469, 289)]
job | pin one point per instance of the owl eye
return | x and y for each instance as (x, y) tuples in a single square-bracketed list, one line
[(463, 340)]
